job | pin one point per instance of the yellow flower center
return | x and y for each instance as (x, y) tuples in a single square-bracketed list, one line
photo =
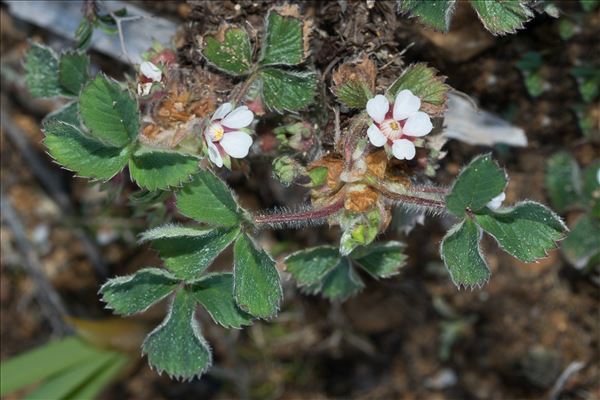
[(216, 132)]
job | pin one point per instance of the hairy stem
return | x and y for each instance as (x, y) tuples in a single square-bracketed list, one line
[(296, 219), (244, 88), (413, 198)]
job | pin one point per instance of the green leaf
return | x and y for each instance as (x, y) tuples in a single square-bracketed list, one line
[(109, 112), (136, 293), (176, 346), (354, 94), (84, 33), (588, 5), (73, 71), (381, 260), (207, 199), (526, 231), (157, 169), (64, 384), (284, 42), (287, 90), (229, 50), (257, 288), (101, 379), (563, 181), (591, 188), (311, 265), (424, 83), (215, 293), (582, 244), (502, 16), (187, 252), (44, 361), (341, 282), (588, 82), (436, 14), (41, 72), (78, 153), (462, 256), (69, 114), (477, 184)]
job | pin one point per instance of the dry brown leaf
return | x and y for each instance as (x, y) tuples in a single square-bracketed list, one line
[(362, 70), (377, 163), (360, 200)]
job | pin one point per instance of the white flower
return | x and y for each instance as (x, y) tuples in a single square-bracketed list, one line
[(399, 127), (223, 134), (496, 202), (151, 71)]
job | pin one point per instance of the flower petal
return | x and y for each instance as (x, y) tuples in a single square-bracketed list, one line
[(222, 111), (403, 149), (236, 143), (377, 107), (376, 138), (417, 125), (496, 202), (241, 117), (214, 155), (405, 105), (151, 71)]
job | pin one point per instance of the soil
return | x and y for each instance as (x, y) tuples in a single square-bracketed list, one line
[(414, 336)]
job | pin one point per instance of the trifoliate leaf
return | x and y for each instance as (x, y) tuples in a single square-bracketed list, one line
[(69, 114), (73, 71), (257, 287), (109, 112), (187, 252), (527, 231), (436, 14), (311, 265), (229, 50), (176, 346), (380, 260), (207, 199), (583, 242), (354, 82), (462, 256), (86, 157), (215, 293), (502, 16), (136, 293), (157, 169), (341, 282), (286, 40), (424, 83), (477, 184), (563, 181), (41, 72), (287, 90)]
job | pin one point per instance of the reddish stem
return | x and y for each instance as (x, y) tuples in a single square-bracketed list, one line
[(291, 218)]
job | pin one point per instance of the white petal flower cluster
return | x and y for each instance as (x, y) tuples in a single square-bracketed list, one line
[(223, 134), (399, 126)]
